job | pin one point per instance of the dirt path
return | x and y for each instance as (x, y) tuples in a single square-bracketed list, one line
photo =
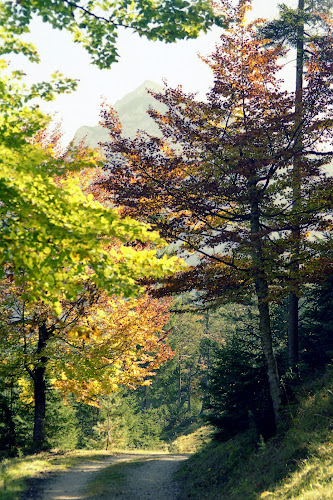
[(151, 481)]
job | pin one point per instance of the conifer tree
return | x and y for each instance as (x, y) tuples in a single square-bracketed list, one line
[(298, 28)]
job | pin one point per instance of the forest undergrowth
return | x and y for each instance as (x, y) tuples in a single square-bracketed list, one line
[(296, 464)]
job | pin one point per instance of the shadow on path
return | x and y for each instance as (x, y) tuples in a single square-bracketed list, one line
[(152, 481)]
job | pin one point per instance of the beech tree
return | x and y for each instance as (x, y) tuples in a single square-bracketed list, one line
[(53, 235), (218, 181), (58, 245), (95, 345), (61, 253), (95, 24)]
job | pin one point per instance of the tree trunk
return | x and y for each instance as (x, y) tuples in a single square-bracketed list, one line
[(293, 353), (206, 379), (8, 437), (40, 405), (293, 349), (108, 427), (38, 375), (261, 288), (267, 345)]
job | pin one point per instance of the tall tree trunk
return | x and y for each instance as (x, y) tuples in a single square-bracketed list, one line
[(108, 430), (8, 437), (40, 405), (267, 345), (261, 288), (38, 375), (293, 349)]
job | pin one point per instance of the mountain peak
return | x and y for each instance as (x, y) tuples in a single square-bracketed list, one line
[(139, 93), (132, 111)]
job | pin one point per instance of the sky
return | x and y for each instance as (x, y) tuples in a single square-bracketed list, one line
[(140, 60)]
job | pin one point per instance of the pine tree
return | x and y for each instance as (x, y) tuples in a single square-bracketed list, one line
[(298, 28)]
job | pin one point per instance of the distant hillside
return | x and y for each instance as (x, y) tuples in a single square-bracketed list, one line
[(132, 110)]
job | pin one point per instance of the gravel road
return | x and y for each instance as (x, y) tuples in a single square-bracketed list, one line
[(151, 481)]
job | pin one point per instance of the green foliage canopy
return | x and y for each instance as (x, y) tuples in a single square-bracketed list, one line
[(95, 23), (53, 236)]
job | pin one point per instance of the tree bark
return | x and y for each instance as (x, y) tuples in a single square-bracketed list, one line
[(267, 345), (261, 287), (293, 349), (206, 379), (38, 375), (8, 438), (108, 427), (40, 405)]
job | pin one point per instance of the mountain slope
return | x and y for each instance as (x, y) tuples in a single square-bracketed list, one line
[(296, 464), (132, 111)]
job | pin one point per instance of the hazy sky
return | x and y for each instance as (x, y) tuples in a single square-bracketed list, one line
[(140, 60)]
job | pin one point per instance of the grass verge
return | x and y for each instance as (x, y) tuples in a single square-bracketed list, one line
[(15, 472), (297, 464), (193, 441)]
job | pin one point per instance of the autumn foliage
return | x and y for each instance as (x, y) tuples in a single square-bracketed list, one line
[(218, 182), (118, 342), (237, 184), (97, 343)]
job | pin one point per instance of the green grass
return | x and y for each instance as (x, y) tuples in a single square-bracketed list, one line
[(193, 441), (297, 464)]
